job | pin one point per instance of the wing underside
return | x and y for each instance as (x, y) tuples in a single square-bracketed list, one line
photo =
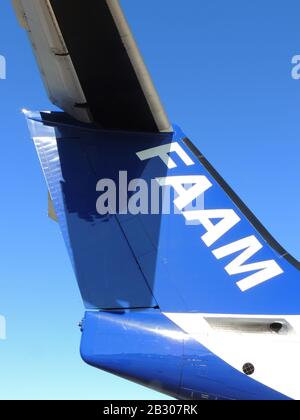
[(91, 65)]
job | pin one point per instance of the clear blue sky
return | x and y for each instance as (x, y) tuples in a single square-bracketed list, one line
[(223, 69)]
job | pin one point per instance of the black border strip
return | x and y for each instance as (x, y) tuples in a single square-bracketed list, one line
[(242, 206)]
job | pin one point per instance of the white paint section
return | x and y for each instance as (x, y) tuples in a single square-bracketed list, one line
[(228, 217), (200, 184), (265, 270), (274, 356), (163, 153), (268, 270)]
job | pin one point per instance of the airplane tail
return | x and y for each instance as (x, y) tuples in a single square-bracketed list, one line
[(167, 254), (185, 291), (148, 222)]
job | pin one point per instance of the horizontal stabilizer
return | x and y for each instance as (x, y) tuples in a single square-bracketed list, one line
[(90, 63)]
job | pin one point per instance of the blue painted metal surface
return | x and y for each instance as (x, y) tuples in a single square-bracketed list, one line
[(138, 267), (145, 347), (127, 261)]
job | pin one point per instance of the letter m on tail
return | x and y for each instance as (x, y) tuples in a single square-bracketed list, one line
[(265, 270)]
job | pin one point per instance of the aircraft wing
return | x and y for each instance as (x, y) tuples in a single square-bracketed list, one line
[(91, 65)]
